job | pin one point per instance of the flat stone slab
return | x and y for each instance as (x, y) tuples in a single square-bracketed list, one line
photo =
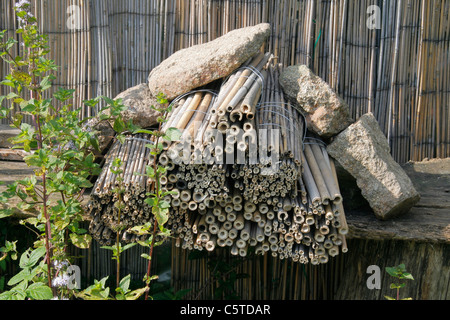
[(363, 151), (12, 154), (201, 64), (6, 132), (427, 221), (326, 113)]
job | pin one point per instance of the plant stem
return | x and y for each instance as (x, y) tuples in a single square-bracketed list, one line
[(118, 243), (150, 260), (48, 236), (155, 188), (47, 219)]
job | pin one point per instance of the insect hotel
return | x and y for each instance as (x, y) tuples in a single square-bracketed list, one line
[(311, 146)]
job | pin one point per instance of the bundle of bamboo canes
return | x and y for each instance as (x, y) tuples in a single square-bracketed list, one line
[(280, 132), (293, 211), (103, 205), (234, 182)]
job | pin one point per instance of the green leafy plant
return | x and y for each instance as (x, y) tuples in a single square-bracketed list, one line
[(10, 247), (223, 273), (28, 282), (154, 231), (117, 249), (60, 149), (400, 273), (156, 198), (99, 291)]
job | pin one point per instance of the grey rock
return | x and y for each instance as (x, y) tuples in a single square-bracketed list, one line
[(139, 100), (105, 134), (201, 64), (363, 151), (326, 113)]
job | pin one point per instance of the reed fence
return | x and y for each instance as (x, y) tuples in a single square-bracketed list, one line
[(398, 71)]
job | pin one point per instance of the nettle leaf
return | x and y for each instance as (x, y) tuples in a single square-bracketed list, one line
[(161, 215), (146, 256), (128, 246), (21, 76), (141, 229), (39, 291), (25, 274), (29, 259), (119, 125), (140, 130), (81, 241), (46, 83), (150, 201), (392, 271), (172, 134), (124, 284), (4, 213), (394, 286), (135, 294), (407, 275), (121, 138), (163, 204)]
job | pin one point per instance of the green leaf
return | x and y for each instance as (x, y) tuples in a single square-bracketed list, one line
[(172, 134), (4, 213), (148, 279), (10, 43), (64, 94), (141, 229), (128, 246), (29, 108), (150, 201), (121, 138), (25, 274), (94, 142), (389, 298), (124, 283), (394, 286), (29, 259), (12, 95), (113, 248), (163, 204), (119, 125), (392, 271), (161, 215), (13, 295), (135, 294), (407, 275), (143, 131), (39, 291), (146, 256), (81, 241), (46, 83)]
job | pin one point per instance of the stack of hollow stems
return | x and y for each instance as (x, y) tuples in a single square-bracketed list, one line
[(245, 175), (118, 202)]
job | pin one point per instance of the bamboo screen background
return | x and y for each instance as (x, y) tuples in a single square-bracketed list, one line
[(399, 72)]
